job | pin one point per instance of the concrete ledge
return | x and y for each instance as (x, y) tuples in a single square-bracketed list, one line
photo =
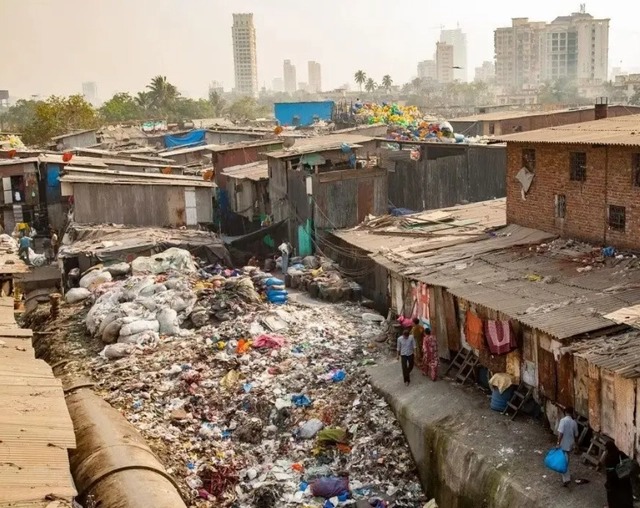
[(471, 457)]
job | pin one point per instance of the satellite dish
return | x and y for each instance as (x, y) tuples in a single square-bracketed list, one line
[(288, 142)]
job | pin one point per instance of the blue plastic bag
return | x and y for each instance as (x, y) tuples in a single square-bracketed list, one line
[(301, 400), (338, 376), (556, 460)]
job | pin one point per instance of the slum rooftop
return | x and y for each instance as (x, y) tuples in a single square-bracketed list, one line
[(416, 233), (75, 174), (255, 171), (321, 143), (496, 116), (560, 287), (618, 131)]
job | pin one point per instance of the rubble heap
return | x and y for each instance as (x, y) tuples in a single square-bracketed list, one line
[(248, 404)]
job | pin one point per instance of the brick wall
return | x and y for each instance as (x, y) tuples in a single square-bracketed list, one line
[(609, 182)]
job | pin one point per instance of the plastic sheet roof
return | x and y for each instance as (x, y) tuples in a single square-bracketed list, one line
[(620, 131)]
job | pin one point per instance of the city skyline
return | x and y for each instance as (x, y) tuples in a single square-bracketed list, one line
[(125, 63)]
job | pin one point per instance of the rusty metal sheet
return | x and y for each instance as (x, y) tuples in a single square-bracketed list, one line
[(547, 378), (581, 386), (565, 381), (607, 407), (625, 402), (595, 398), (365, 199)]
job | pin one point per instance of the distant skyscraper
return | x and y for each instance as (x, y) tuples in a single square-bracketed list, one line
[(574, 47), (486, 73), (90, 91), (315, 77), (216, 86), (278, 85), (444, 62), (289, 76), (458, 39), (428, 70), (244, 54)]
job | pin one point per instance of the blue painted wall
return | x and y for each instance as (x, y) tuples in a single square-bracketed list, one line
[(306, 112)]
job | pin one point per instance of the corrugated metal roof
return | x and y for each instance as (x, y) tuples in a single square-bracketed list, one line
[(246, 144), (618, 353), (456, 224), (86, 175), (189, 149), (71, 134), (15, 162), (255, 171), (541, 289), (496, 116), (620, 130), (35, 426), (321, 143)]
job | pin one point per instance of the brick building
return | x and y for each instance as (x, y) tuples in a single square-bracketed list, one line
[(580, 181)]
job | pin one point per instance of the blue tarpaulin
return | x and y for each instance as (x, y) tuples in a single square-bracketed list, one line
[(193, 138)]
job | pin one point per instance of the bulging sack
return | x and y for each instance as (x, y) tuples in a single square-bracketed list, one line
[(556, 460)]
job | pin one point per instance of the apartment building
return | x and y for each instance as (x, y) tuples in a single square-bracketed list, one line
[(244, 54)]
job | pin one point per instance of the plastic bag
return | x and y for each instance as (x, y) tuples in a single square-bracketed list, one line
[(330, 486), (269, 341), (95, 278), (556, 460), (116, 351), (140, 326), (77, 295), (310, 428), (168, 321), (118, 269)]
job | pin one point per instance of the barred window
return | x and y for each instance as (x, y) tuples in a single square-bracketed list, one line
[(617, 217), (578, 166), (529, 159)]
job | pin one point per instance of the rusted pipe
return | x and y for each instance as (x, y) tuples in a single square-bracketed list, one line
[(112, 464)]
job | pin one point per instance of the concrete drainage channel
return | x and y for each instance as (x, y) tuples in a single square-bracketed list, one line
[(112, 465)]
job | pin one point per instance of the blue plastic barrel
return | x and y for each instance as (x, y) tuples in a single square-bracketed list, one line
[(499, 400)]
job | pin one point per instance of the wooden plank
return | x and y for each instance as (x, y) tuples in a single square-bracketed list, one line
[(451, 324), (547, 378), (625, 401), (607, 403), (581, 386)]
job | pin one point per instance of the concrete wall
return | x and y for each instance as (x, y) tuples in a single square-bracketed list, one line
[(138, 205), (81, 140), (609, 181)]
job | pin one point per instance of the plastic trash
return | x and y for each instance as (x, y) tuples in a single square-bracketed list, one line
[(310, 428), (268, 341), (372, 318), (77, 295), (140, 326), (168, 322), (301, 400), (118, 269), (338, 376), (556, 460), (273, 281), (330, 486), (116, 351)]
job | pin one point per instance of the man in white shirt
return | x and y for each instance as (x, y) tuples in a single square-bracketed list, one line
[(567, 435), (405, 348)]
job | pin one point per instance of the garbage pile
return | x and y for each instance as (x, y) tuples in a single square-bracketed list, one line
[(269, 406), (407, 123), (322, 279)]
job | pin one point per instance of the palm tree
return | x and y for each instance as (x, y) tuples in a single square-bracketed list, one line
[(387, 82), (162, 93), (361, 78), (143, 100), (417, 84), (371, 85)]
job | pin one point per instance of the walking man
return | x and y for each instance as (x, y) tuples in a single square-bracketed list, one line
[(567, 435), (405, 349)]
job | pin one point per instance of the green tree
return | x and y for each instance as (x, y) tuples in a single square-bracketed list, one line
[(417, 85), (21, 114), (163, 94), (122, 107), (246, 108), (217, 102), (370, 85), (144, 102), (560, 91), (635, 98), (59, 115), (361, 78), (387, 82)]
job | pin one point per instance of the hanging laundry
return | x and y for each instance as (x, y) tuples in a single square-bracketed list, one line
[(500, 337), (473, 331)]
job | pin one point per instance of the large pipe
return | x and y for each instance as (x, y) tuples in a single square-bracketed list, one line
[(112, 464)]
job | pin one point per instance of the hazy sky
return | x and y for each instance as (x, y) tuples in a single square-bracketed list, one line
[(52, 46)]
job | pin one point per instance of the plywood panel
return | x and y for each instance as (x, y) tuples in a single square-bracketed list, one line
[(595, 398), (625, 402), (451, 324), (581, 386), (608, 402), (365, 199)]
